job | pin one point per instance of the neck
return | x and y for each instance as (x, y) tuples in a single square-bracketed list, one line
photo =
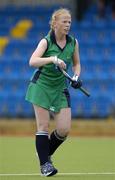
[(59, 36)]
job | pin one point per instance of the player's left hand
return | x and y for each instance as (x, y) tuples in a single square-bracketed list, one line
[(76, 83)]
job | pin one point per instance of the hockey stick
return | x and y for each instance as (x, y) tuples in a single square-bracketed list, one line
[(68, 77)]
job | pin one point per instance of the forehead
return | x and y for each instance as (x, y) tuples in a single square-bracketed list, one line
[(66, 16)]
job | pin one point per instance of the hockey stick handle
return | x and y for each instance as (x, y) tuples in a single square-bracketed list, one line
[(68, 77), (84, 91)]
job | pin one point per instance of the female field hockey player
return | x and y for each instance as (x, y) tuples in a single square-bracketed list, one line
[(48, 90)]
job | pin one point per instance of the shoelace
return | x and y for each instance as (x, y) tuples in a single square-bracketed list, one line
[(48, 166)]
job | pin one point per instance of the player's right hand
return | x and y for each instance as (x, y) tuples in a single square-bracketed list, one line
[(59, 62)]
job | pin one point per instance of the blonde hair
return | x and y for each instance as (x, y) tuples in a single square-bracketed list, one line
[(56, 14)]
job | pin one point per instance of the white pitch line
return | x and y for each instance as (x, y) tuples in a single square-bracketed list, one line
[(63, 174)]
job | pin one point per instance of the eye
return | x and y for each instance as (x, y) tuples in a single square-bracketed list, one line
[(67, 22)]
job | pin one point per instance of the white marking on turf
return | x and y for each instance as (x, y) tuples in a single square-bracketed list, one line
[(63, 174)]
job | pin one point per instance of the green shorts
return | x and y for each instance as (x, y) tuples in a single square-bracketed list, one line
[(48, 97)]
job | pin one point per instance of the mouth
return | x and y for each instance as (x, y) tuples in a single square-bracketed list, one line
[(66, 30)]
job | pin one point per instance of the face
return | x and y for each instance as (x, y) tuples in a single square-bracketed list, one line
[(63, 23)]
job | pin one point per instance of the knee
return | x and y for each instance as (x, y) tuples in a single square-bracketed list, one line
[(43, 127), (63, 131)]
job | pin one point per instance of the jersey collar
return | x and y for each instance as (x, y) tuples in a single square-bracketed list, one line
[(53, 39)]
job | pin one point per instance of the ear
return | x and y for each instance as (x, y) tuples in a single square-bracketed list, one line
[(55, 24)]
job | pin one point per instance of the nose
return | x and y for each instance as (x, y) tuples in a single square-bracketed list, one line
[(68, 24)]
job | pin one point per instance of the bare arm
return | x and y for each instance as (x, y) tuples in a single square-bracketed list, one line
[(76, 60), (37, 60)]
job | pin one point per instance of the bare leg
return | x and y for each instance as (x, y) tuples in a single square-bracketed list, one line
[(42, 140), (42, 118), (63, 122), (63, 125)]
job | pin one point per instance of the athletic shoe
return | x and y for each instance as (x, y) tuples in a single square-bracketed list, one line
[(48, 169)]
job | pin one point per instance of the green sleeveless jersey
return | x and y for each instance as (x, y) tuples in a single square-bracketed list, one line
[(49, 74)]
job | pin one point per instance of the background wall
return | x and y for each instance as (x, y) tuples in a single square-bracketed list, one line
[(35, 2), (22, 27)]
